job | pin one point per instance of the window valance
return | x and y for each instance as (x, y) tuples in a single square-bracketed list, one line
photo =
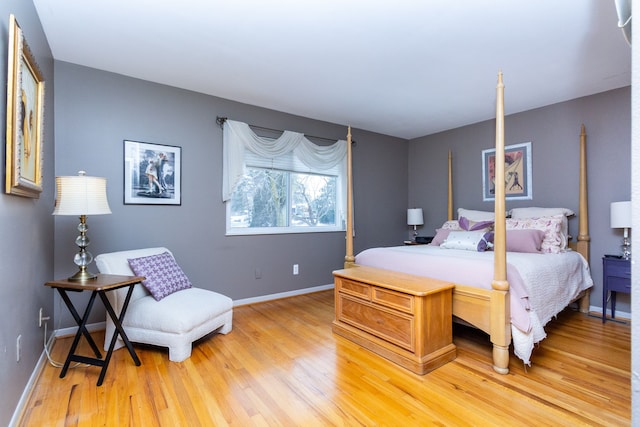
[(239, 140)]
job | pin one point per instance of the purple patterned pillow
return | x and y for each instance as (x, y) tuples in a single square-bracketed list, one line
[(469, 225), (163, 275)]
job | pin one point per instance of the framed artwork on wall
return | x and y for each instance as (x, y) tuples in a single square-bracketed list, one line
[(152, 174), (25, 109), (517, 172)]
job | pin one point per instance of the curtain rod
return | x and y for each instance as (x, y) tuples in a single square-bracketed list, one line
[(220, 121)]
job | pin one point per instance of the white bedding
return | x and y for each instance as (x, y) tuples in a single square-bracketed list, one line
[(541, 285)]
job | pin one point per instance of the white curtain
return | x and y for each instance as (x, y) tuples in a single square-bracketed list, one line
[(238, 138), (623, 8)]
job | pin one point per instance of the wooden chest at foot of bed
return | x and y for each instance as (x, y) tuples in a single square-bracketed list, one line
[(404, 318)]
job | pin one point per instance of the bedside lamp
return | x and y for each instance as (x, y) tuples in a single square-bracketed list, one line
[(81, 195), (415, 218), (621, 218)]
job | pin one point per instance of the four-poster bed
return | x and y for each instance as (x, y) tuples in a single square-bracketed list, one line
[(489, 309)]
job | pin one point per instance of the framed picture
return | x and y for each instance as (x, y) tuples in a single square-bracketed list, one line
[(152, 174), (25, 108), (517, 172)]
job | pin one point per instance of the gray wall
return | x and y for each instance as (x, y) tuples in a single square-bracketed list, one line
[(554, 135), (97, 110), (26, 230)]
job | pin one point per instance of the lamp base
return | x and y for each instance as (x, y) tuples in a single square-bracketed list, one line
[(82, 276), (626, 246)]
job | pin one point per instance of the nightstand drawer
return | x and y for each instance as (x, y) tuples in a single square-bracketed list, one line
[(619, 284), (616, 277), (618, 268)]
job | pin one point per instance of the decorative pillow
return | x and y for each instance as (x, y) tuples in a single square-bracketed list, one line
[(554, 241), (542, 212), (451, 225), (163, 275), (478, 241), (441, 236), (476, 215), (529, 241), (469, 225)]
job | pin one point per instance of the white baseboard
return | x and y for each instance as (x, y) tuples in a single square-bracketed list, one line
[(100, 326), (621, 315), (280, 295), (92, 327), (26, 393)]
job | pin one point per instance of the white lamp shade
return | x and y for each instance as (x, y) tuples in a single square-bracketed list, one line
[(621, 215), (81, 195), (414, 216)]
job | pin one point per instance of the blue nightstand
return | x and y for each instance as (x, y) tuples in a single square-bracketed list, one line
[(616, 277)]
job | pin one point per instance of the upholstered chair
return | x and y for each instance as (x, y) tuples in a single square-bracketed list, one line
[(182, 314)]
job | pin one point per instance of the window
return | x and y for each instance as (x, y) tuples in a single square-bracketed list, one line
[(286, 194)]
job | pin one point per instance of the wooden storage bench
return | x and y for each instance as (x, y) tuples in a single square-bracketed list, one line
[(404, 318)]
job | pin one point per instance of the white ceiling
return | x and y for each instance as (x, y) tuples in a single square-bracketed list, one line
[(404, 68)]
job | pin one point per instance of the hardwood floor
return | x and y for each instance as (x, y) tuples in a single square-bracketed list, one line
[(282, 365)]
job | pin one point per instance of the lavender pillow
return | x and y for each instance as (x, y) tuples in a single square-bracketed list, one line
[(163, 275), (528, 240), (554, 241), (441, 236)]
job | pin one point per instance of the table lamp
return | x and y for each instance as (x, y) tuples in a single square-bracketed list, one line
[(415, 218), (81, 195), (621, 218)]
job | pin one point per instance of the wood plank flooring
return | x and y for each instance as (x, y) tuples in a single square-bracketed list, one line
[(282, 366)]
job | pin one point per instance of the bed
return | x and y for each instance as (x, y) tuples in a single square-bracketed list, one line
[(509, 295)]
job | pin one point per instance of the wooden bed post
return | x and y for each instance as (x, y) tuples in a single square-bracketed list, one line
[(450, 191), (349, 259), (584, 238), (500, 321)]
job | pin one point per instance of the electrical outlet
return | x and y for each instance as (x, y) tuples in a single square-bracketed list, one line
[(18, 348), (295, 269)]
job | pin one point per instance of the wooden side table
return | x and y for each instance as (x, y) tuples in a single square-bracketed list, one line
[(98, 287), (404, 318), (616, 277)]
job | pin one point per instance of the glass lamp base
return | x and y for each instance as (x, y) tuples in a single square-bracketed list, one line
[(626, 248)]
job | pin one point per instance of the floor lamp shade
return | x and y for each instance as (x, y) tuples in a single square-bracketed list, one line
[(81, 196)]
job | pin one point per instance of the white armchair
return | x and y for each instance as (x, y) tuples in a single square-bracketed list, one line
[(176, 321)]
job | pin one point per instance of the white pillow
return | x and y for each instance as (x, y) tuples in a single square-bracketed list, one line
[(476, 215), (517, 213), (478, 241)]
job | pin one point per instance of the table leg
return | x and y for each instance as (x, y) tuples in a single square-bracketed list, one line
[(613, 304), (82, 330), (117, 322), (604, 301)]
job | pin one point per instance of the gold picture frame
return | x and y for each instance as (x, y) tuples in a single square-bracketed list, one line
[(25, 108)]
